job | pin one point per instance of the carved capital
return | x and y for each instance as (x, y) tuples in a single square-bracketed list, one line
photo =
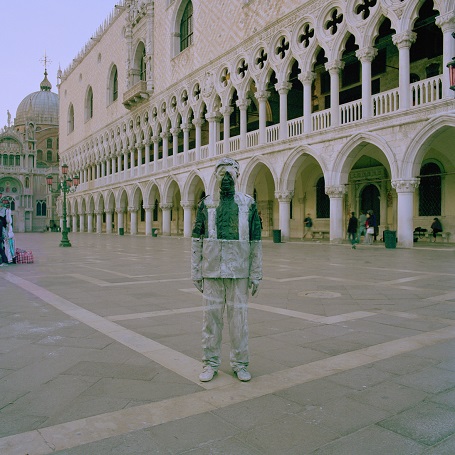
[(335, 191), (175, 131), (367, 54), (262, 95), (446, 22), (307, 77), (243, 104), (166, 206), (334, 67), (405, 186), (226, 110), (197, 122), (283, 88), (133, 209), (187, 204), (404, 39), (284, 196)]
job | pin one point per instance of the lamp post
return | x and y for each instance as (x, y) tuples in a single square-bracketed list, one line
[(65, 186), (451, 66)]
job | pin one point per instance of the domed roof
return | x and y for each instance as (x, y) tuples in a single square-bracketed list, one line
[(39, 107)]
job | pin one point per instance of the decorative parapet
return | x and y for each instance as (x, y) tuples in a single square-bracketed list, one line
[(136, 95)]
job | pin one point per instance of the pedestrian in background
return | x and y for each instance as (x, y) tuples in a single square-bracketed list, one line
[(362, 230), (352, 229)]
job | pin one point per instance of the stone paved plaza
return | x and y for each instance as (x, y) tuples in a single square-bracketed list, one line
[(352, 352)]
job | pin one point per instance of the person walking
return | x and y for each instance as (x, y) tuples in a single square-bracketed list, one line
[(370, 230), (226, 261), (308, 226), (352, 229), (362, 230)]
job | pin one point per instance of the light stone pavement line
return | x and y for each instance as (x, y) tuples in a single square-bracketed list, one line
[(405, 280), (403, 315), (443, 297), (282, 311), (103, 283), (68, 435), (175, 361), (127, 275), (427, 272)]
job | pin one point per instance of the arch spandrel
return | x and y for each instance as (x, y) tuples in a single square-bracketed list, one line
[(441, 130), (294, 162), (353, 150)]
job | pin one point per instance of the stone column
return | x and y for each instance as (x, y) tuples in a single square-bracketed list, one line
[(366, 56), (212, 119), (262, 97), (284, 201), (166, 213), (99, 221), (175, 145), (81, 222), (132, 159), (119, 162), (226, 112), (156, 144), (165, 138), (336, 194), (90, 222), (187, 225), (186, 141), (108, 222), (139, 155), (74, 222), (120, 220), (108, 166), (307, 81), (147, 154), (148, 219), (404, 41), (405, 223), (283, 89), (197, 122), (447, 25), (243, 106), (334, 69), (133, 218)]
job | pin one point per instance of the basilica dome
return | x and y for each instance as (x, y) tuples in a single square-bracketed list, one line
[(39, 107)]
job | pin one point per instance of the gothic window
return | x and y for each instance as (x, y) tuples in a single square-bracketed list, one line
[(49, 143), (89, 104), (155, 210), (143, 67), (322, 200), (18, 160), (39, 155), (430, 190), (186, 27), (41, 208), (70, 119), (27, 182), (113, 85), (49, 155)]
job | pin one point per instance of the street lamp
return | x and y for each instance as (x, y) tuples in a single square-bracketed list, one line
[(65, 186), (451, 66)]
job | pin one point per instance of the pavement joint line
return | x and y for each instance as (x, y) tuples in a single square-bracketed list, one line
[(442, 297), (103, 283), (68, 435), (175, 361)]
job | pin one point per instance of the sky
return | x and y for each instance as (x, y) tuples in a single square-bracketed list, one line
[(31, 29)]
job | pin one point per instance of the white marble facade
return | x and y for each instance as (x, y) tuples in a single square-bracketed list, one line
[(330, 107)]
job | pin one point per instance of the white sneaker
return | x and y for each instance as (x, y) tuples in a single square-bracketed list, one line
[(243, 375), (207, 374)]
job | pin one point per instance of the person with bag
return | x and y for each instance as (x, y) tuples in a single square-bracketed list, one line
[(3, 258), (362, 228), (370, 230)]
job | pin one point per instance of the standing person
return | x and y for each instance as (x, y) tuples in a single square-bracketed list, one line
[(3, 258), (373, 223), (362, 228), (352, 229), (370, 230), (437, 227), (308, 225), (226, 261)]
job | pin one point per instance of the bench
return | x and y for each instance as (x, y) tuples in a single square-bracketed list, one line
[(445, 236), (321, 233)]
